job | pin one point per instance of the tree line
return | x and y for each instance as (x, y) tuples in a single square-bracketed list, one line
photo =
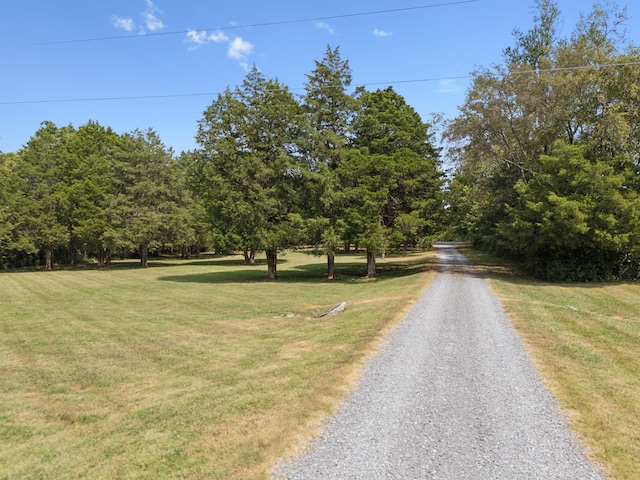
[(546, 155), (331, 169), (547, 150), (89, 192)]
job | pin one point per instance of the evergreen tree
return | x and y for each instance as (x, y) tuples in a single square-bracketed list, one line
[(249, 168), (42, 208), (9, 195), (392, 171), (329, 109), (146, 199), (90, 181)]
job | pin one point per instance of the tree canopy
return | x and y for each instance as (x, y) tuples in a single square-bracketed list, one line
[(249, 167), (272, 172), (547, 150), (90, 191)]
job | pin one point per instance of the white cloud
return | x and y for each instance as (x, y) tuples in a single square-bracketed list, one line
[(239, 49), (449, 85), (218, 37), (151, 17), (380, 33), (123, 23), (201, 38), (325, 26)]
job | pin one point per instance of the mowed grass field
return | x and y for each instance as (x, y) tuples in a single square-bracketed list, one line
[(585, 342), (188, 369)]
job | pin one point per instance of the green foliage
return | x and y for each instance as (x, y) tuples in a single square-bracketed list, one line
[(391, 172), (271, 173), (42, 205), (328, 109), (92, 191), (576, 221), (547, 146), (8, 202), (249, 174)]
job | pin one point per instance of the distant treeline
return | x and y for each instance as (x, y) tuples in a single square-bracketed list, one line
[(272, 172)]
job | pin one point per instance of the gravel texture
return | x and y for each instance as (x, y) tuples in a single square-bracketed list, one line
[(451, 394)]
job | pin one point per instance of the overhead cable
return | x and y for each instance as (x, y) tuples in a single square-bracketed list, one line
[(369, 84)]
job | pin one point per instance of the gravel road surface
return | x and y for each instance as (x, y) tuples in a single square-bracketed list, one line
[(450, 395)]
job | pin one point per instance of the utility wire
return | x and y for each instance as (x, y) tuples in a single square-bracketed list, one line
[(369, 84), (232, 27), (178, 95)]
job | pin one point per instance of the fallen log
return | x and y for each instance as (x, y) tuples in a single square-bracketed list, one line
[(337, 309)]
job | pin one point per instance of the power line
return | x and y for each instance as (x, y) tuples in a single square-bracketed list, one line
[(202, 94), (235, 27), (569, 69), (368, 84), (105, 99)]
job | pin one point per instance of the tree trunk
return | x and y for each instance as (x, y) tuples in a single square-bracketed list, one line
[(101, 255), (48, 255), (249, 256), (272, 264), (107, 259), (144, 256), (371, 264), (404, 249), (331, 263)]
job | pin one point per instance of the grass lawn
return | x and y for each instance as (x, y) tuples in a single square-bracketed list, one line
[(585, 341), (191, 369)]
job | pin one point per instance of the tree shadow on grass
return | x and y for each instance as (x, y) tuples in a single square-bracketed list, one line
[(154, 262), (227, 262), (348, 272)]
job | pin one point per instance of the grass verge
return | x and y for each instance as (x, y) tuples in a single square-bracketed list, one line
[(199, 369), (585, 342)]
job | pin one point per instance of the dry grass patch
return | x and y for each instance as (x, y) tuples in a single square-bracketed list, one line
[(585, 340), (197, 369)]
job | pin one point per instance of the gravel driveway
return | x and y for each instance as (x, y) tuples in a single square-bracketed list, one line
[(450, 395)]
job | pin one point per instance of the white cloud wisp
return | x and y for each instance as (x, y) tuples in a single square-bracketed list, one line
[(238, 48), (200, 38), (380, 33), (121, 23), (151, 17), (325, 26)]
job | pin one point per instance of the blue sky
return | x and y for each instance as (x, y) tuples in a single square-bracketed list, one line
[(438, 42)]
